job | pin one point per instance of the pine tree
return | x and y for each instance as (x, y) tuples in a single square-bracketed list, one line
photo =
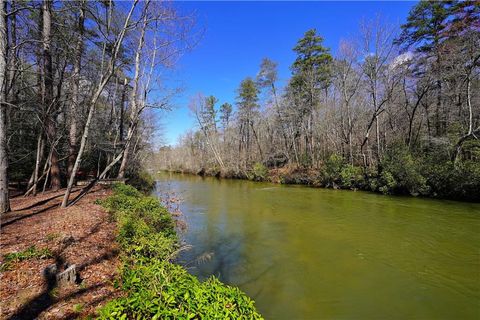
[(225, 114), (247, 104), (426, 25), (313, 59), (209, 114)]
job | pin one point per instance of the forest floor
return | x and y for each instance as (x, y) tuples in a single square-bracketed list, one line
[(83, 234)]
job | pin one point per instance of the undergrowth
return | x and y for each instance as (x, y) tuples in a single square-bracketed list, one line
[(31, 252), (154, 287)]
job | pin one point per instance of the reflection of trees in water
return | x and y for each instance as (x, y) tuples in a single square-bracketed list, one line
[(227, 260)]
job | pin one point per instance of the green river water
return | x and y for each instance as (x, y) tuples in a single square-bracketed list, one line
[(306, 253)]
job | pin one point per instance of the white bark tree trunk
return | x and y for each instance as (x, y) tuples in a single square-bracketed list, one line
[(4, 196), (134, 105), (91, 106)]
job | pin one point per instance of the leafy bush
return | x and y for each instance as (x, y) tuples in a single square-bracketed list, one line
[(154, 287), (331, 170), (351, 177), (401, 173), (162, 290), (305, 160), (141, 180), (460, 182), (259, 172), (386, 183), (125, 190)]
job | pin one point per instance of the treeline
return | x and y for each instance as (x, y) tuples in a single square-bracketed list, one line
[(391, 111), (77, 80)]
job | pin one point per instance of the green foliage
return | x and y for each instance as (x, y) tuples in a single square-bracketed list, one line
[(162, 290), (154, 287), (459, 182), (208, 114), (247, 99), (401, 173), (120, 189), (426, 25), (78, 307), (305, 160), (267, 76), (31, 252), (351, 177), (311, 70), (313, 59), (225, 114), (259, 172), (332, 170), (141, 180), (386, 183)]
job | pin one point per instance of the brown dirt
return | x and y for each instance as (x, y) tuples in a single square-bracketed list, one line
[(83, 234)]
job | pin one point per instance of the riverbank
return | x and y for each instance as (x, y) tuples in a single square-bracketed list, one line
[(37, 233), (122, 244), (154, 287), (398, 175)]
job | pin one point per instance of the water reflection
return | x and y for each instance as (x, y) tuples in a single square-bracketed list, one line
[(313, 253)]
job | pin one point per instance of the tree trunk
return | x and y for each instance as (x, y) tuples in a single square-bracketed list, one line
[(135, 110), (40, 147), (75, 90), (91, 106), (122, 109), (48, 93), (4, 196)]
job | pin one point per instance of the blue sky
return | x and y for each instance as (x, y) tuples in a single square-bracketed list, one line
[(239, 34)]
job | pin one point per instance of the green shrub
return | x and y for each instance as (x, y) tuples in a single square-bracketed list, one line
[(351, 177), (305, 160), (154, 287), (259, 172), (331, 170), (386, 183), (460, 182), (401, 173), (141, 180), (162, 290), (125, 190)]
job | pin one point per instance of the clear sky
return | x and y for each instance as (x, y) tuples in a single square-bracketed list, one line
[(239, 34)]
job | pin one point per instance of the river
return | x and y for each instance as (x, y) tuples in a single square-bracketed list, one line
[(308, 253)]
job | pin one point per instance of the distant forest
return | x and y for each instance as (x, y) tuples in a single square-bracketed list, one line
[(395, 111)]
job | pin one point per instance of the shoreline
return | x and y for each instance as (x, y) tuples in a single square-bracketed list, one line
[(301, 178), (152, 284), (113, 237)]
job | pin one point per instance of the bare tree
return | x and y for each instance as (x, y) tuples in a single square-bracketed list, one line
[(4, 194), (104, 78), (74, 105)]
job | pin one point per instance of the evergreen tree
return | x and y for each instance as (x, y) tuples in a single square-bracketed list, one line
[(225, 114), (426, 25), (313, 60), (247, 99), (267, 76), (209, 113), (247, 104)]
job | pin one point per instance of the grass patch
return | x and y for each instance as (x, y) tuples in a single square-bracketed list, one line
[(31, 252), (155, 288), (77, 308), (52, 236)]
